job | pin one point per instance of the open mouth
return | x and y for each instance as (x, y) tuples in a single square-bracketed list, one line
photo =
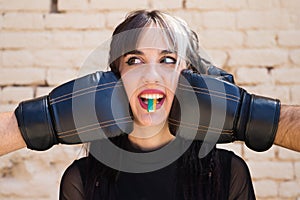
[(151, 100)]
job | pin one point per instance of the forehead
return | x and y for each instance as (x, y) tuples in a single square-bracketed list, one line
[(154, 38)]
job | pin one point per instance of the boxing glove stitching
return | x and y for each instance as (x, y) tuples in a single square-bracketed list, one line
[(236, 100), (91, 129), (203, 130), (78, 95), (80, 90), (205, 89), (101, 124), (197, 125)]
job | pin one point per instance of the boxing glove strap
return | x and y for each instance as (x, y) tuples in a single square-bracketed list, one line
[(35, 124), (262, 123)]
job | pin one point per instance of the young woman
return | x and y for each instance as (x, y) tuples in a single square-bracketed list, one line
[(148, 51)]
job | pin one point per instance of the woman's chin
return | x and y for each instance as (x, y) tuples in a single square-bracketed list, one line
[(151, 119)]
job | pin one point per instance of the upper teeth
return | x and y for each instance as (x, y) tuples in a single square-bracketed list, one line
[(152, 96)]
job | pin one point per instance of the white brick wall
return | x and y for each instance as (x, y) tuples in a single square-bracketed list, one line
[(23, 21), (75, 21), (22, 76), (118, 5), (25, 5), (222, 39), (219, 20), (258, 41), (258, 57), (289, 38)]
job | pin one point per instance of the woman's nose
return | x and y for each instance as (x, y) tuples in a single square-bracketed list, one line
[(151, 73)]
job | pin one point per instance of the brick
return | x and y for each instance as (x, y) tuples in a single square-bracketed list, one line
[(293, 4), (288, 155), (58, 58), (166, 4), (297, 170), (74, 21), (266, 155), (257, 57), (235, 147), (24, 39), (271, 169), (252, 76), (66, 154), (289, 38), (16, 94), (272, 91), (218, 58), (118, 5), (286, 75), (22, 76), (222, 20), (96, 60), (66, 39), (72, 5), (114, 18), (1, 21), (265, 188), (260, 39), (194, 19), (42, 91), (1, 58), (23, 21), (58, 76), (274, 19), (263, 5), (221, 39), (295, 56), (289, 189), (25, 5), (96, 39), (216, 4), (19, 58), (7, 108), (295, 94)]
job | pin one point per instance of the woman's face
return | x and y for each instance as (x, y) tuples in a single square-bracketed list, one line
[(150, 75)]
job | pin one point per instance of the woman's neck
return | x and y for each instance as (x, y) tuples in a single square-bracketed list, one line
[(150, 138)]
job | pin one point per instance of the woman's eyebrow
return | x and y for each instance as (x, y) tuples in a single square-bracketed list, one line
[(166, 52), (137, 52)]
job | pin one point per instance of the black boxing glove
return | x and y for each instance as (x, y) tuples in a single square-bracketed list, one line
[(220, 74), (78, 111), (226, 112)]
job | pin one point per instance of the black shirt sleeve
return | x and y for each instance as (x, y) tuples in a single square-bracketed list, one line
[(71, 187), (240, 183)]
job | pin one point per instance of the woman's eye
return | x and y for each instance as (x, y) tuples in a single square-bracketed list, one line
[(134, 61), (168, 60)]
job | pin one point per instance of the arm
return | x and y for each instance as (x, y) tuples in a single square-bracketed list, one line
[(11, 139), (288, 133)]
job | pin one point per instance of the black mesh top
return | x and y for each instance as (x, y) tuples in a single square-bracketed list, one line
[(160, 184)]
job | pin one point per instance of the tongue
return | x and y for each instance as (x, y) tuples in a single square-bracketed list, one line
[(151, 105)]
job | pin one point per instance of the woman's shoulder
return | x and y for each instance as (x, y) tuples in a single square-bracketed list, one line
[(237, 163), (74, 170), (71, 183), (238, 174)]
